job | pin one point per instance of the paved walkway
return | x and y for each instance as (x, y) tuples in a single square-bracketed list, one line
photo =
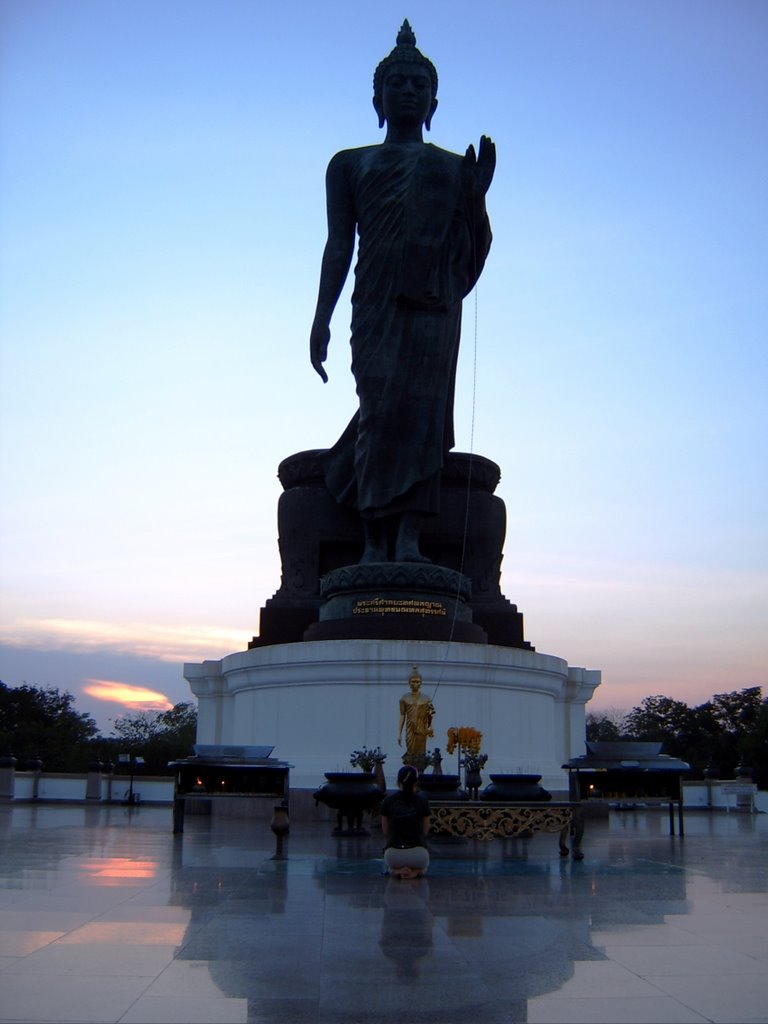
[(105, 916)]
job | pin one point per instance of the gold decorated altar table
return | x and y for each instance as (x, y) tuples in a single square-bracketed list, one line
[(228, 773), (484, 819)]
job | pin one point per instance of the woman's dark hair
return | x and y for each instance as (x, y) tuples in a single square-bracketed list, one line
[(407, 777)]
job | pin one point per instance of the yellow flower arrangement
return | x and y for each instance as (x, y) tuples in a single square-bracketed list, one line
[(467, 739)]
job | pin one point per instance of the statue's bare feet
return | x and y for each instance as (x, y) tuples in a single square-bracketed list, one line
[(373, 554), (410, 555)]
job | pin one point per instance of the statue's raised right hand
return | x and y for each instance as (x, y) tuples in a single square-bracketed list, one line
[(478, 170), (318, 347)]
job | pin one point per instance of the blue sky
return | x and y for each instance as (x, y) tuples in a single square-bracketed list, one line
[(162, 205)]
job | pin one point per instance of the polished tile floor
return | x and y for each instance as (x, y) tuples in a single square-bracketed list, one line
[(105, 916)]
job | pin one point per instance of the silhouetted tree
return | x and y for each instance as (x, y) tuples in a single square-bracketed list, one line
[(661, 719), (753, 747), (180, 723), (157, 736), (42, 722), (737, 712), (605, 726), (721, 732), (138, 728), (729, 728)]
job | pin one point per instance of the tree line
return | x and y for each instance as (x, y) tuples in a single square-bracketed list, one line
[(728, 730), (40, 724)]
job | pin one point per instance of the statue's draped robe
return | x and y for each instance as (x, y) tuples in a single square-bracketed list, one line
[(420, 252), (418, 724)]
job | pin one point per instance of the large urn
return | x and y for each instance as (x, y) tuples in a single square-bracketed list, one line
[(441, 787), (515, 789), (350, 794)]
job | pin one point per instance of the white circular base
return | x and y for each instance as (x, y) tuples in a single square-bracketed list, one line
[(316, 702)]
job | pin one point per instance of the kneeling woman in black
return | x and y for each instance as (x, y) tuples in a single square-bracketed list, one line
[(405, 823)]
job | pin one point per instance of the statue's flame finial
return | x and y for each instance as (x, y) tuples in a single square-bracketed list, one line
[(405, 36)]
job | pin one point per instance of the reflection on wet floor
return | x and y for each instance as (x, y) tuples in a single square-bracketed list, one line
[(105, 916)]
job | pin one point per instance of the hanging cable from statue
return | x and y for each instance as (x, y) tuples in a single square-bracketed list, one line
[(465, 531)]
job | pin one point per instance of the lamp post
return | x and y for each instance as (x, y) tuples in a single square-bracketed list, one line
[(133, 763)]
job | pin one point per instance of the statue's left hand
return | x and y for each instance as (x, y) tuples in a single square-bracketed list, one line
[(318, 347), (478, 170)]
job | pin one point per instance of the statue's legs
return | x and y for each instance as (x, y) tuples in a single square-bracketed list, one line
[(407, 538), (375, 532), (404, 529)]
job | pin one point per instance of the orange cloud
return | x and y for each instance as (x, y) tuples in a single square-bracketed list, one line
[(174, 643), (134, 697)]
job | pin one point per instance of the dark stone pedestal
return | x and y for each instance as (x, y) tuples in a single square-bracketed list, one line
[(395, 600), (317, 537)]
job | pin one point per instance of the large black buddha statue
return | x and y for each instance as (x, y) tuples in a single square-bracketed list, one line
[(419, 212)]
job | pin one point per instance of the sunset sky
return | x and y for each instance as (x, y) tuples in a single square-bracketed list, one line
[(162, 222)]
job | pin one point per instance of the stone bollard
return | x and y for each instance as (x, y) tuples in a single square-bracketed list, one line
[(93, 785), (109, 770), (7, 776), (35, 765)]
